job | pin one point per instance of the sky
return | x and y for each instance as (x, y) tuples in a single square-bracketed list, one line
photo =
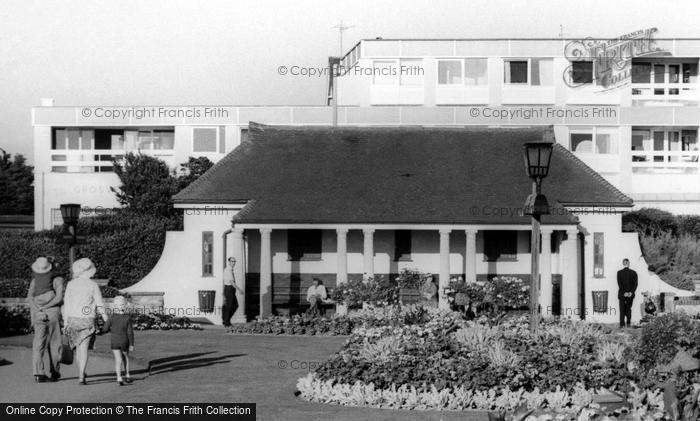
[(217, 52)]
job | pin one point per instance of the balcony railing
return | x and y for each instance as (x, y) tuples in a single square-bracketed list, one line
[(99, 160), (666, 161), (652, 94)]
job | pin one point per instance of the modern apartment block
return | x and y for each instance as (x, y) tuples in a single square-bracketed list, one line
[(633, 120)]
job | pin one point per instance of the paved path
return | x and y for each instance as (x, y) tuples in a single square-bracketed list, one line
[(201, 366)]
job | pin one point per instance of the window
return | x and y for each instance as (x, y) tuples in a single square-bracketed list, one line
[(582, 72), (384, 72), (500, 245), (542, 71), (449, 72), (641, 72), (476, 71), (244, 135), (516, 71), (596, 140), (402, 245), (222, 139), (304, 244), (663, 79), (598, 252), (155, 139), (73, 139), (207, 253), (204, 139), (665, 145), (411, 72)]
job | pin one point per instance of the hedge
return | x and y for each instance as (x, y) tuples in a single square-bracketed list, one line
[(124, 247)]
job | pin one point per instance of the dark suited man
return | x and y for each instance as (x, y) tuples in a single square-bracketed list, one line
[(627, 284)]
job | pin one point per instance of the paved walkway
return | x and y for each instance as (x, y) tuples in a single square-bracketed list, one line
[(201, 366)]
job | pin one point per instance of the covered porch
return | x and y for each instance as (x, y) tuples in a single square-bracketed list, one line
[(279, 261)]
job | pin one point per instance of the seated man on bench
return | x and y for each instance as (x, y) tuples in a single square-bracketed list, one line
[(315, 295)]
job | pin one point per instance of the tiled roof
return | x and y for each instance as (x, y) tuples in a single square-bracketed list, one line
[(292, 174)]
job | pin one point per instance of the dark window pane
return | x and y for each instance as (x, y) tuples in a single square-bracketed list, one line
[(641, 73), (582, 72), (59, 139), (304, 244), (582, 142), (659, 71), (402, 244), (598, 252), (207, 253), (500, 245), (516, 72)]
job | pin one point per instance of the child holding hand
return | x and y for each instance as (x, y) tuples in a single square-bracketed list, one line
[(122, 338)]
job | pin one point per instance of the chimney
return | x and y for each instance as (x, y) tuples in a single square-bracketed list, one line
[(47, 102)]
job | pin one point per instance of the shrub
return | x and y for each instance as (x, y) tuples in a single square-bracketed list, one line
[(650, 221), (674, 259), (689, 225), (383, 350), (15, 321), (160, 321), (123, 245), (663, 336)]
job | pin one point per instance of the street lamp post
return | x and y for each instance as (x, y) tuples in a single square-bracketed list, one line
[(537, 159), (70, 212)]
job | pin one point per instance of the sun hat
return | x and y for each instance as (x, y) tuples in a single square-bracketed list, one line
[(84, 268), (41, 265)]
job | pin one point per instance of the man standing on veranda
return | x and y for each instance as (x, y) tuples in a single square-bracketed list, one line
[(228, 309), (627, 284)]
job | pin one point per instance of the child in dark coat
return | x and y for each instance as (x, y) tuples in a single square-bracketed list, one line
[(122, 338)]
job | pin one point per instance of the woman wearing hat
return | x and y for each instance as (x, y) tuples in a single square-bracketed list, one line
[(44, 298), (82, 303)]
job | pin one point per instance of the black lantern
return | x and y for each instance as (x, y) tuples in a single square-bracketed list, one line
[(537, 157), (70, 212)]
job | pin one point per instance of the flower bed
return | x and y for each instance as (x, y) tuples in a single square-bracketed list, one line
[(337, 326), (160, 321), (444, 362)]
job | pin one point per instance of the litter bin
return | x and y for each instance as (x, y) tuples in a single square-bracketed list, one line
[(600, 301), (206, 301)]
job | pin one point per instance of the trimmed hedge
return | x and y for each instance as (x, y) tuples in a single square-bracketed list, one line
[(123, 245)]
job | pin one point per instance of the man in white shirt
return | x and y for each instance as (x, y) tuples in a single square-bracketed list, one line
[(315, 295), (228, 309)]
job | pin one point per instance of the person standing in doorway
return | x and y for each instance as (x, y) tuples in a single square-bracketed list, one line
[(627, 286), (230, 287)]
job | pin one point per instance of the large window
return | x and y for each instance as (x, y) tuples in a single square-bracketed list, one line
[(411, 72), (402, 245), (663, 78), (207, 253), (73, 139), (500, 245), (476, 71), (304, 244), (535, 72), (468, 71), (596, 140), (205, 139), (155, 139), (449, 72), (661, 145), (384, 72)]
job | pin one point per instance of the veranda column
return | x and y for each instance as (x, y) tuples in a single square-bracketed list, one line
[(546, 273), (265, 272), (569, 282), (470, 256), (444, 267), (369, 252), (239, 273), (342, 271)]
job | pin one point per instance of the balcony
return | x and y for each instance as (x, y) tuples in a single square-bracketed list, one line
[(98, 160)]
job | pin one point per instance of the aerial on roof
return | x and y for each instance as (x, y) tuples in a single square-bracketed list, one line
[(414, 175)]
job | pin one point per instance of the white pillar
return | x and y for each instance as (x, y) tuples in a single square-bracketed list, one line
[(265, 272), (569, 281), (342, 235), (546, 273), (444, 266), (342, 271), (239, 270), (470, 256), (369, 252)]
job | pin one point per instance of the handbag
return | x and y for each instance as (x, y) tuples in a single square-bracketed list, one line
[(66, 350)]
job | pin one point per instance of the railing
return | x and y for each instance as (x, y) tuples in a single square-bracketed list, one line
[(99, 160), (665, 94), (666, 161)]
